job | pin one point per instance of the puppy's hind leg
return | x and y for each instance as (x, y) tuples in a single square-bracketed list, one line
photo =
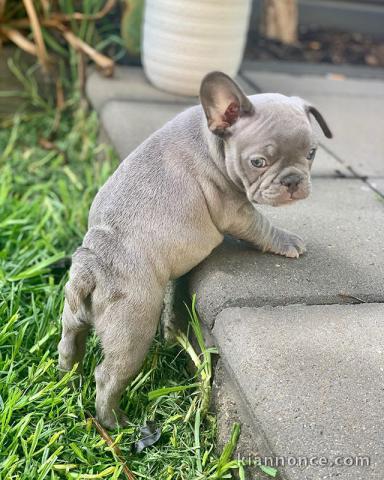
[(76, 320), (73, 340), (126, 330)]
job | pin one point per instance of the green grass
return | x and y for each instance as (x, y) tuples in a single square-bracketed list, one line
[(45, 431)]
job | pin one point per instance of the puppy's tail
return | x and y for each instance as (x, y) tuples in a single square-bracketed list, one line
[(82, 279)]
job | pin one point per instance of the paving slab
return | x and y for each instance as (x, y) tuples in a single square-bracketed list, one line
[(130, 83), (312, 377), (326, 165), (331, 84), (358, 142), (354, 109), (128, 123), (377, 184), (319, 69), (342, 225), (231, 408)]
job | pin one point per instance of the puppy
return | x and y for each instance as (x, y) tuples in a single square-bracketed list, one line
[(167, 206)]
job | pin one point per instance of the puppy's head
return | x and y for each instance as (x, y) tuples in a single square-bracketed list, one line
[(269, 142)]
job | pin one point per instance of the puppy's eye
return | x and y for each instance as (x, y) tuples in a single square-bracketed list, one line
[(311, 154), (259, 162)]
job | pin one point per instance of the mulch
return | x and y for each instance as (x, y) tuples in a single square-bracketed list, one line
[(320, 46)]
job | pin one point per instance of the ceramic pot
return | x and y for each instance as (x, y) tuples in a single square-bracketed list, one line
[(185, 39)]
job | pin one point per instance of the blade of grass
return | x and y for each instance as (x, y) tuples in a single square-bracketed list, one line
[(167, 390), (199, 465), (37, 269)]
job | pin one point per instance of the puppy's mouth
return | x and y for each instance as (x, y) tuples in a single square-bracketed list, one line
[(280, 198)]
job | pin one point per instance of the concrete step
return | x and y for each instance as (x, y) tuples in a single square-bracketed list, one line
[(312, 379)]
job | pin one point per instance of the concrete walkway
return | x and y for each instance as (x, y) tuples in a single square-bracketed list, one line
[(301, 366)]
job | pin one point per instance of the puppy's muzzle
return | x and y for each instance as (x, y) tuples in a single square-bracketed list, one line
[(292, 182)]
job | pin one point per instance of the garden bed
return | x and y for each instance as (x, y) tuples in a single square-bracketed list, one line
[(320, 46)]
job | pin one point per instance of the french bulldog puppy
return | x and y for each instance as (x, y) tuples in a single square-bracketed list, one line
[(167, 206)]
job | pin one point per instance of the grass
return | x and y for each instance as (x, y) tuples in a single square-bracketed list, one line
[(45, 431)]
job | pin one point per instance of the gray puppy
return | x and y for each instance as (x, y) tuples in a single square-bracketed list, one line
[(167, 206)]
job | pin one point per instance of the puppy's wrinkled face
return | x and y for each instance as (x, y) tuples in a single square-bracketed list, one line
[(270, 152), (269, 143)]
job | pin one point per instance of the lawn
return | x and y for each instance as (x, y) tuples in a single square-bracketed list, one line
[(46, 428)]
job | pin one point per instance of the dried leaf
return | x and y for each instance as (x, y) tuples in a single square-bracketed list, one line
[(48, 145), (149, 436)]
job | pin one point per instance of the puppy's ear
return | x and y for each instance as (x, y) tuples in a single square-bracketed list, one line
[(311, 110), (223, 102), (320, 120)]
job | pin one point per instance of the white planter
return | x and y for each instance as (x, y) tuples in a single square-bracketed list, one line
[(185, 39)]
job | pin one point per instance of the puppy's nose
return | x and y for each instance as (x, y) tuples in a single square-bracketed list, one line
[(291, 182)]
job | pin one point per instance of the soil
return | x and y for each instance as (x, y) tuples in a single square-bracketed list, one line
[(320, 46)]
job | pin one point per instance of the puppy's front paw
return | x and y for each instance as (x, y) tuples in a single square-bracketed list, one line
[(287, 244)]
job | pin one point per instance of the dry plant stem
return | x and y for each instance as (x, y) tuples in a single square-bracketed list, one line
[(2, 8), (347, 295), (60, 104), (109, 441), (49, 145), (55, 21), (59, 17), (60, 100), (45, 5), (105, 63), (81, 16), (36, 29), (18, 39), (81, 74), (44, 22)]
